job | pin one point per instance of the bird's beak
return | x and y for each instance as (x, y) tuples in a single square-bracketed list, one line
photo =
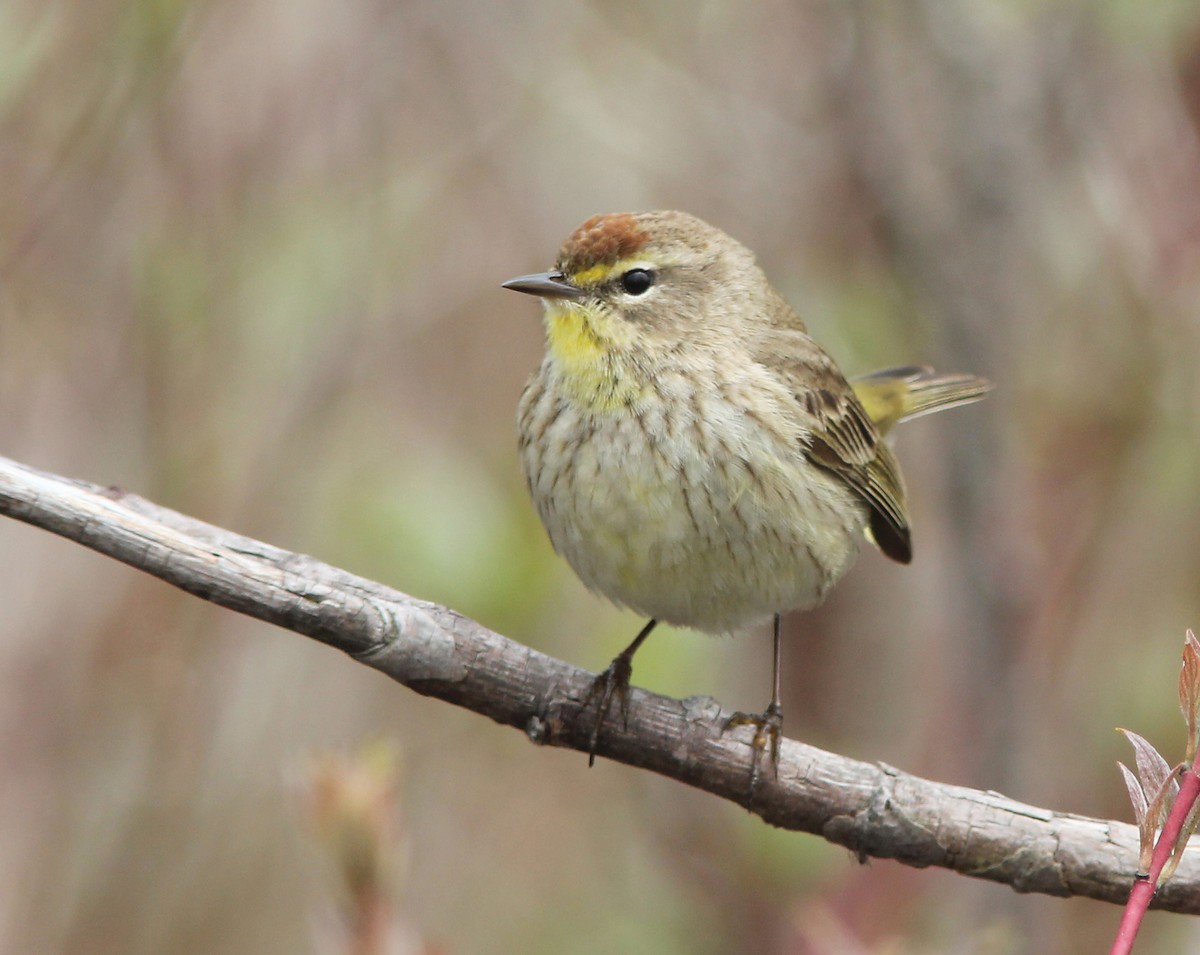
[(544, 285)]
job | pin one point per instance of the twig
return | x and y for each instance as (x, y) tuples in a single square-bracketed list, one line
[(873, 809)]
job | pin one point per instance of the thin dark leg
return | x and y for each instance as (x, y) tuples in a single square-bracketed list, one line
[(776, 695), (614, 681), (768, 727)]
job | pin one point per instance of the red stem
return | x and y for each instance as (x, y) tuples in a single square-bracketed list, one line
[(1144, 887)]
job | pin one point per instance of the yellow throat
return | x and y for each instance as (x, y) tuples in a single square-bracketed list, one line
[(585, 345)]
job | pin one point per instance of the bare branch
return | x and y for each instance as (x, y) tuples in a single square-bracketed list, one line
[(872, 809)]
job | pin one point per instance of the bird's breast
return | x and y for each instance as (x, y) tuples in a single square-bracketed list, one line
[(690, 505)]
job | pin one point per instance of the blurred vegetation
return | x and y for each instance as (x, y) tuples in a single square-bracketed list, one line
[(249, 267)]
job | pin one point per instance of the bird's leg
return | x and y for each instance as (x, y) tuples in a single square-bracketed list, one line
[(768, 726), (614, 681)]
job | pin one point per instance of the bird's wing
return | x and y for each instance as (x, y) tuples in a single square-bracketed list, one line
[(839, 434)]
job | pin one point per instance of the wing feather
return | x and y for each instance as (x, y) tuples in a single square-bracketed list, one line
[(839, 434)]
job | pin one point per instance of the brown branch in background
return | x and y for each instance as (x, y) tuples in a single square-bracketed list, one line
[(872, 809)]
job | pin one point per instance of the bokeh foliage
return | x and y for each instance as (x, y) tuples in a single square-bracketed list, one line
[(249, 265)]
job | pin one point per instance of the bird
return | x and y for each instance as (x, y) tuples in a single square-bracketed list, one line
[(690, 449)]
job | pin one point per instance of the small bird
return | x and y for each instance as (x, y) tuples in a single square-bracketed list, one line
[(692, 452)]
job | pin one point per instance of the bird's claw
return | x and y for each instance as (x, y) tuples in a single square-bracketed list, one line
[(612, 683), (768, 728)]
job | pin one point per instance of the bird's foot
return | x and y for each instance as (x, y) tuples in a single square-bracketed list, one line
[(611, 684), (768, 728)]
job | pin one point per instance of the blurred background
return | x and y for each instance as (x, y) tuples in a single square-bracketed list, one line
[(250, 256)]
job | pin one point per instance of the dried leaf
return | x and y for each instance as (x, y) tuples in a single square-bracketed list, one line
[(1159, 787), (1145, 829), (1160, 802), (1136, 796), (1189, 692), (1152, 769)]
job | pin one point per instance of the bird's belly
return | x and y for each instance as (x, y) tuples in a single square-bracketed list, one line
[(705, 527)]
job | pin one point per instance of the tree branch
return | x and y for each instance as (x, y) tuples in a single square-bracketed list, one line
[(873, 809)]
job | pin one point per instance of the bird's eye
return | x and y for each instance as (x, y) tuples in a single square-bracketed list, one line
[(637, 281)]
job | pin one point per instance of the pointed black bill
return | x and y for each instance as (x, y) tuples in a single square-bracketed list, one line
[(544, 285)]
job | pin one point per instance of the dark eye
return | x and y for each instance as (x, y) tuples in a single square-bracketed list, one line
[(637, 281)]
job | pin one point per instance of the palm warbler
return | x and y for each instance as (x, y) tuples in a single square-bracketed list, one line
[(692, 452)]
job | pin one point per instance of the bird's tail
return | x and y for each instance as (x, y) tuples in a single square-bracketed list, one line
[(897, 394)]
